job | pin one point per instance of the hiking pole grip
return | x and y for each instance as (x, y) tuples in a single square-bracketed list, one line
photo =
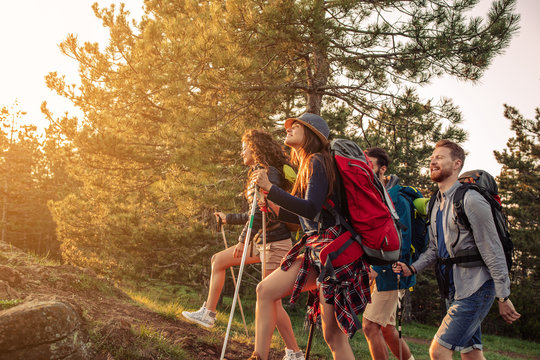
[(220, 226), (219, 223), (240, 272)]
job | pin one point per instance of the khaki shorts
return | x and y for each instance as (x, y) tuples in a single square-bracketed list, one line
[(382, 309), (275, 252)]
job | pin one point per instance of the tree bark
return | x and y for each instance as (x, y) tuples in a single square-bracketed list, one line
[(318, 65)]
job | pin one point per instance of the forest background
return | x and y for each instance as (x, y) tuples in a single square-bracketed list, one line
[(129, 187)]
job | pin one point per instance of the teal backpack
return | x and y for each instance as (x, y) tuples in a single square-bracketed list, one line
[(417, 233), (414, 235)]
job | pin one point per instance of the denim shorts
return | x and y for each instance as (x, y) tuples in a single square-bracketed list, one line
[(460, 328)]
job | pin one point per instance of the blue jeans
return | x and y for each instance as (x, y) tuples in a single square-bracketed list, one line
[(460, 328)]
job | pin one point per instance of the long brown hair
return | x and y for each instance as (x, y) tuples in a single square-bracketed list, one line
[(312, 146), (266, 151)]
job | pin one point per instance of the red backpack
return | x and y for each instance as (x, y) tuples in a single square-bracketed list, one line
[(366, 212)]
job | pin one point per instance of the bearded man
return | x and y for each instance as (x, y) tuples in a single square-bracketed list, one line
[(471, 288)]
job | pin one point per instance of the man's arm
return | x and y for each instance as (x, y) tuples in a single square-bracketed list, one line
[(236, 219), (490, 248), (426, 259), (487, 240), (508, 312)]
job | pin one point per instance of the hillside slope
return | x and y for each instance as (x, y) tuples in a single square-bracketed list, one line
[(111, 325)]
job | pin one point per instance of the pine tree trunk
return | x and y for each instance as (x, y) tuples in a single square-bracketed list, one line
[(4, 211), (318, 66), (318, 73)]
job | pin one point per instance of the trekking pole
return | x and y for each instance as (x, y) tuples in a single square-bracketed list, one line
[(220, 228), (264, 243), (310, 339), (242, 263), (400, 309), (311, 327)]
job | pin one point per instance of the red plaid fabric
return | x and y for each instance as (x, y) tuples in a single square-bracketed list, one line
[(349, 293)]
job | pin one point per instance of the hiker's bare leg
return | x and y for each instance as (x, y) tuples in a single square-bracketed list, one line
[(270, 291), (439, 352), (221, 261), (283, 324), (336, 339), (391, 336), (375, 340), (473, 355)]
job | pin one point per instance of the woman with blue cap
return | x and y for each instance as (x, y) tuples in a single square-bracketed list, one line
[(335, 301)]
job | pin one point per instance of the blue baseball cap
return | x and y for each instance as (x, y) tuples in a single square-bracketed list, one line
[(314, 122)]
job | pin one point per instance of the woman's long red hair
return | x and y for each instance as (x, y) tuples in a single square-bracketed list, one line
[(302, 157)]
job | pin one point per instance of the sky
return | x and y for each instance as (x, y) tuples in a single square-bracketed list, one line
[(31, 30)]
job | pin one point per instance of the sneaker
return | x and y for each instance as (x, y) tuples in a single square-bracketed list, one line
[(291, 355), (203, 316)]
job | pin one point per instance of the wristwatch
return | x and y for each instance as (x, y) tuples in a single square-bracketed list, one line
[(501, 300)]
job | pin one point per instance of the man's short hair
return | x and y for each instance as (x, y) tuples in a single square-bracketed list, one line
[(456, 151), (383, 159)]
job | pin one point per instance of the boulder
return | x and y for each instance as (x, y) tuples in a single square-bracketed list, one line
[(41, 330)]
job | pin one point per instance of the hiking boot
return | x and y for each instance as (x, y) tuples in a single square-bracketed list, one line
[(254, 356), (203, 316), (291, 355)]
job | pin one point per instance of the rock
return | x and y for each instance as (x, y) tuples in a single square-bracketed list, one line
[(89, 271), (6, 292), (41, 330), (12, 276)]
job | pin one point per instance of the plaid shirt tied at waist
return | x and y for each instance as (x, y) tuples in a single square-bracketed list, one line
[(349, 292)]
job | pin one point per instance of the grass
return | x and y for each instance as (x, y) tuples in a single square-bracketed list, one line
[(169, 300), (495, 347), (6, 304), (163, 298), (167, 309), (43, 260), (149, 338), (85, 282), (147, 343)]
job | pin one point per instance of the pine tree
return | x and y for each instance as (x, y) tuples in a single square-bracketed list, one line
[(364, 53), (26, 220), (519, 186), (407, 131), (165, 102)]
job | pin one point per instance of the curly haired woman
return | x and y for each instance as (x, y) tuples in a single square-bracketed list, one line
[(259, 149)]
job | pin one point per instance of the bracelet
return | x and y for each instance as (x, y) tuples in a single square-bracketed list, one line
[(411, 268)]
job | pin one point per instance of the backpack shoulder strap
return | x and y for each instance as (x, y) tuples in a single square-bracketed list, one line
[(431, 204), (411, 192), (459, 206), (409, 196)]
